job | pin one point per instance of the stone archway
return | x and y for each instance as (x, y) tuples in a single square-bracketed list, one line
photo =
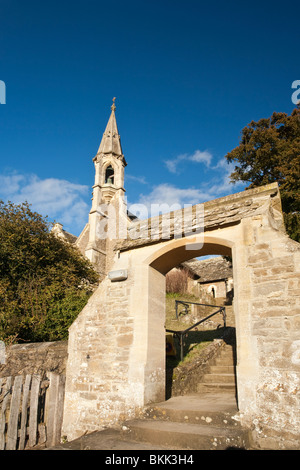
[(158, 260), (151, 264), (117, 344)]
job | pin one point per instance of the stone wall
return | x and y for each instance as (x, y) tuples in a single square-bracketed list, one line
[(111, 374), (275, 311), (35, 358), (219, 288), (97, 374)]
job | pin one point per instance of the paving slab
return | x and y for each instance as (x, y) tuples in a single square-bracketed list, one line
[(187, 435), (212, 400), (108, 439)]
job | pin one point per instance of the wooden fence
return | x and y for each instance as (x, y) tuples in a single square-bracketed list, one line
[(31, 411)]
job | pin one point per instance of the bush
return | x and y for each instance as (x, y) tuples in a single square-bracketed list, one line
[(41, 275), (177, 281)]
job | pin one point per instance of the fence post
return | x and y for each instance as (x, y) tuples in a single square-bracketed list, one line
[(12, 430), (25, 403), (6, 396), (55, 405), (34, 401)]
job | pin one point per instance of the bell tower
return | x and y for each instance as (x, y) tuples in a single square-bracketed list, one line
[(108, 193), (109, 164)]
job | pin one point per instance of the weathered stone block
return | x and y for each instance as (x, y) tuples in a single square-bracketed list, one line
[(262, 246), (258, 258), (282, 270), (88, 396), (269, 288), (124, 340), (279, 261)]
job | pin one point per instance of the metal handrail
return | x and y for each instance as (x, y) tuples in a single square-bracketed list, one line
[(185, 303), (180, 334)]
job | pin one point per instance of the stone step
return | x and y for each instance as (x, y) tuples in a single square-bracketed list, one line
[(221, 374), (108, 439), (228, 349), (195, 422), (228, 353), (228, 378), (206, 421), (214, 408), (225, 357), (222, 369), (186, 435), (215, 385)]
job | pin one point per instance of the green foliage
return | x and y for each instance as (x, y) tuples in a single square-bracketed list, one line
[(269, 151), (41, 278), (292, 225)]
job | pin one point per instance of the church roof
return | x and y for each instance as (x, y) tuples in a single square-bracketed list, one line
[(58, 230), (111, 141), (211, 269)]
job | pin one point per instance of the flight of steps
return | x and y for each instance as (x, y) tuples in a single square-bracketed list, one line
[(206, 420), (221, 374), (195, 422)]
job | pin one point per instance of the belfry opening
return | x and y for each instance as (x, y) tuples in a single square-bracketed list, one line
[(109, 175)]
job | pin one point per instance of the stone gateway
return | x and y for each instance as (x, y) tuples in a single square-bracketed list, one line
[(116, 350)]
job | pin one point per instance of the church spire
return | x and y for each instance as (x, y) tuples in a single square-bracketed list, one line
[(109, 164), (111, 141), (108, 190)]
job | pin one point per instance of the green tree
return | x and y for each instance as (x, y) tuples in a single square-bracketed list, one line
[(269, 151), (43, 280)]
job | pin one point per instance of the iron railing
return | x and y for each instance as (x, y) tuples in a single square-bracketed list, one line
[(183, 333)]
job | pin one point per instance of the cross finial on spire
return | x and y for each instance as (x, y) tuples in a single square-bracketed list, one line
[(113, 107)]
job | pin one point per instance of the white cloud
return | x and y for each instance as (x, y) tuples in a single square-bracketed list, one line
[(165, 198), (138, 179), (197, 157), (58, 199), (169, 194), (203, 157), (220, 183), (10, 184)]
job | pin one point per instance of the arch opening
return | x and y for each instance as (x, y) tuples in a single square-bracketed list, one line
[(165, 260), (109, 175)]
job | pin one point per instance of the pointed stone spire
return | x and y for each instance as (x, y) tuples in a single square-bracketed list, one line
[(108, 189), (111, 141)]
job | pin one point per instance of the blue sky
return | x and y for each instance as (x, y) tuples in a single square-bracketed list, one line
[(187, 75)]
